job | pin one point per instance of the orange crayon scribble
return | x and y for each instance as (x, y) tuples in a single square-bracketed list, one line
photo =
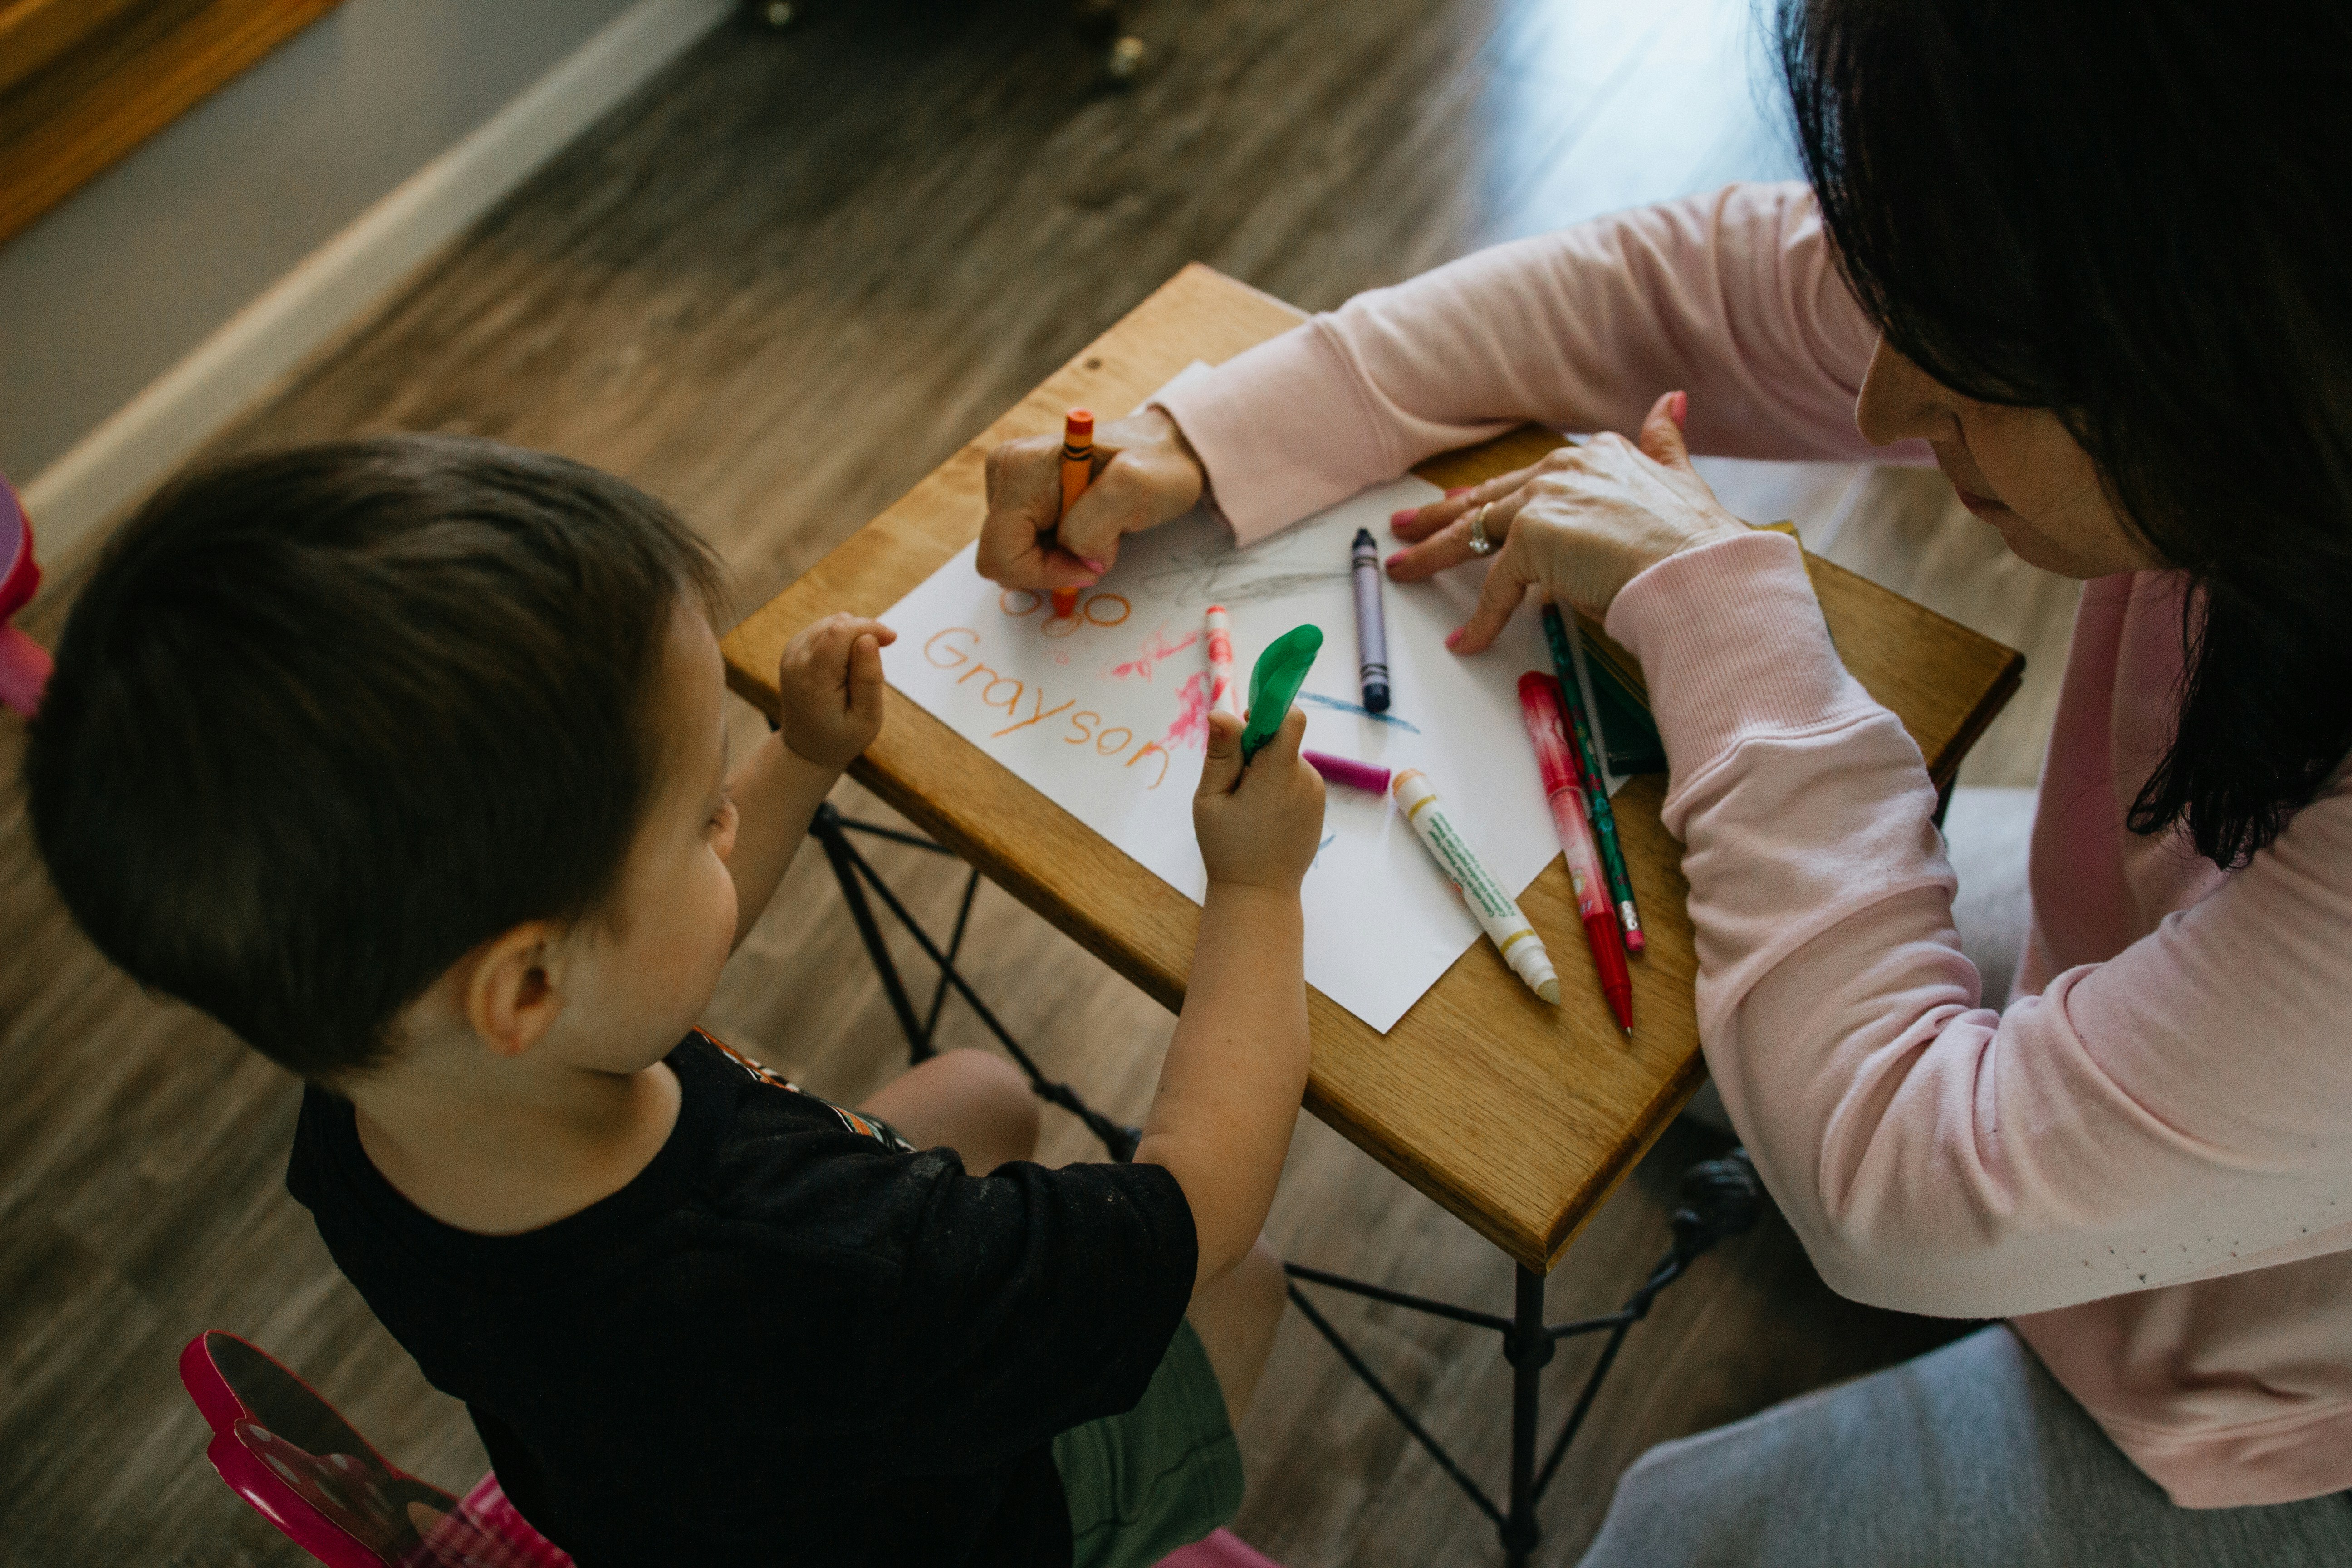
[(1149, 749), (1038, 713), (1161, 649), (950, 657)]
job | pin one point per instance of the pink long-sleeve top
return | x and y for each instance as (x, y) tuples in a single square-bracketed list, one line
[(2145, 1160)]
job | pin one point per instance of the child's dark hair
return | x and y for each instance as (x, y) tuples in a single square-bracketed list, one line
[(322, 722)]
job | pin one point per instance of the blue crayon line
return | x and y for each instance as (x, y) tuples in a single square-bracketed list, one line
[(1359, 712)]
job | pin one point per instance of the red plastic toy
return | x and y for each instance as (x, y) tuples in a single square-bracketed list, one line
[(304, 1469), (307, 1470), (23, 663)]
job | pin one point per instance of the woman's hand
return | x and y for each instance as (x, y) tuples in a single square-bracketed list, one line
[(1145, 474), (1581, 525)]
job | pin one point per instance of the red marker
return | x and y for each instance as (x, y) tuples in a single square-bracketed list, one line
[(1563, 781), (1077, 472)]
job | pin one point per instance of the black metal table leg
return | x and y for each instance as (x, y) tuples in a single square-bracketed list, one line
[(955, 945), (827, 830), (831, 829), (1528, 1347), (1718, 1198)]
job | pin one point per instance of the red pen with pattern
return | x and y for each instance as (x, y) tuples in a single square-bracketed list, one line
[(1603, 821), (1564, 785)]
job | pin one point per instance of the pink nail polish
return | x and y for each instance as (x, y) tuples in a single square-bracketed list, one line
[(1458, 490), (1455, 635), (1678, 408), (1395, 560), (1097, 567), (1403, 515)]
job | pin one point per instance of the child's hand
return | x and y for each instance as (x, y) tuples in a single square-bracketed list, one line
[(1258, 826), (829, 689)]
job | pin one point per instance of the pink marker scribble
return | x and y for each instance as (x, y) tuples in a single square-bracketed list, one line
[(1191, 726), (1161, 648)]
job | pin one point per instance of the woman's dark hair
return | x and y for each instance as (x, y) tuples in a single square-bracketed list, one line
[(2128, 215), (322, 722)]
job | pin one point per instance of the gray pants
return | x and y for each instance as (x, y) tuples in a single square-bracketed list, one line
[(1970, 1457)]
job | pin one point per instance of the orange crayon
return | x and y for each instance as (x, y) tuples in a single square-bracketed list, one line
[(1077, 472)]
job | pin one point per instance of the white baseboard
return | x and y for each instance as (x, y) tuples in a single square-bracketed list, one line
[(116, 465)]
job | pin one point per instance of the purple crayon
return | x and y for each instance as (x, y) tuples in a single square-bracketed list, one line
[(1371, 631)]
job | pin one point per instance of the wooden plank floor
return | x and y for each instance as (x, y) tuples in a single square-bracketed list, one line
[(776, 288)]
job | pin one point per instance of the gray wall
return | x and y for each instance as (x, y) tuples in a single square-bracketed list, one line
[(118, 284)]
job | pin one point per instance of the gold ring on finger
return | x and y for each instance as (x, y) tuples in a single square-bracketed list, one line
[(1479, 544)]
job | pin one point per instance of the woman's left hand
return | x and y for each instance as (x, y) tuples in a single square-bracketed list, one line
[(1581, 525)]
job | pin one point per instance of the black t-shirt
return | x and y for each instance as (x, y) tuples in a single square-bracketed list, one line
[(791, 1338)]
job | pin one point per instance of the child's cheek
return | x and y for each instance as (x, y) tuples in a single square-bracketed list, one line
[(698, 937), (696, 949), (716, 927)]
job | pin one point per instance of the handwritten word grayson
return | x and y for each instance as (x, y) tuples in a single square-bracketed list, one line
[(958, 647)]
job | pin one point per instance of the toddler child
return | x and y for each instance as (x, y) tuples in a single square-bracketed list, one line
[(405, 758)]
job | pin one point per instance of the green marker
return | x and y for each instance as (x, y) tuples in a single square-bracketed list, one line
[(1596, 795), (1273, 684)]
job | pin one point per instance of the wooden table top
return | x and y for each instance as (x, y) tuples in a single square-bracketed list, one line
[(1518, 1117)]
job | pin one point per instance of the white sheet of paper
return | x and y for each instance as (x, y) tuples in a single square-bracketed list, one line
[(1105, 712)]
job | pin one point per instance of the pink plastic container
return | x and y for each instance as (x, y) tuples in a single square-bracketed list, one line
[(23, 663)]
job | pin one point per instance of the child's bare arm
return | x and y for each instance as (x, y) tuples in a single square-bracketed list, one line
[(776, 793), (830, 686), (1230, 1089)]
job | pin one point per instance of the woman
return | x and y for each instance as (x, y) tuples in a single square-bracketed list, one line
[(2085, 255)]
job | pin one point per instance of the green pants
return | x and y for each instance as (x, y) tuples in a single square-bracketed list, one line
[(1161, 1475)]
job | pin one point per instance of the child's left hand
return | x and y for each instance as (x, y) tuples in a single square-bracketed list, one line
[(829, 689)]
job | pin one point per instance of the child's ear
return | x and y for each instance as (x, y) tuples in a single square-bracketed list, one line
[(511, 997)]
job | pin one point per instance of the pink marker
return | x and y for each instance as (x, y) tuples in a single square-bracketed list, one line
[(1219, 634), (1346, 770)]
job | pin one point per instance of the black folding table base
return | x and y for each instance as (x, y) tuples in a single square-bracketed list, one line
[(1718, 1198)]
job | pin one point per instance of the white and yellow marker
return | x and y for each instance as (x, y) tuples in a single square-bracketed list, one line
[(1498, 912)]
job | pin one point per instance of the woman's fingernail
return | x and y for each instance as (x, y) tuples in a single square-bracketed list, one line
[(1403, 515), (1097, 567), (1679, 407), (1459, 490), (1455, 635), (1393, 562)]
